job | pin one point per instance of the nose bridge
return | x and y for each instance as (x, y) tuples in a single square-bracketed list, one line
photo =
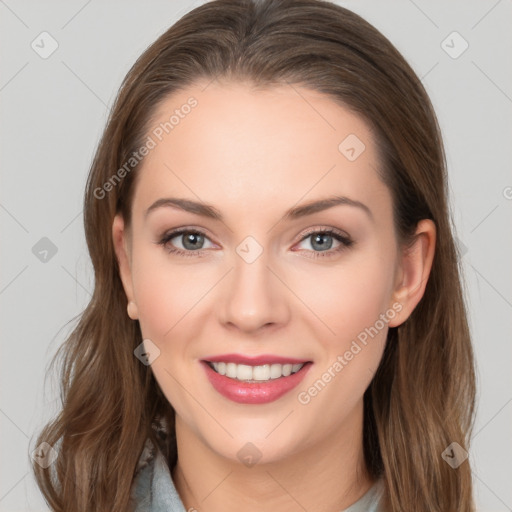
[(254, 297)]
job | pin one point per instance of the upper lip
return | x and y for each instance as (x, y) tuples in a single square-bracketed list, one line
[(254, 360)]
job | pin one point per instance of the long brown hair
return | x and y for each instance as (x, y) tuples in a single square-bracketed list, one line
[(422, 397)]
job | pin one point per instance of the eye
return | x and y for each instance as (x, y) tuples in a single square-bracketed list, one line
[(322, 239), (192, 242)]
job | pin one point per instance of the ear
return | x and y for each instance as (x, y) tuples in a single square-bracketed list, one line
[(414, 270), (122, 244)]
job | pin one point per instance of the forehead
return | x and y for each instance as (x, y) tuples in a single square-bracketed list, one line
[(248, 150)]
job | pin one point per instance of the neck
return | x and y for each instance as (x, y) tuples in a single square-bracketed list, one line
[(330, 475)]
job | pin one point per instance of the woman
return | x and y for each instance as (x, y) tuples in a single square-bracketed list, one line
[(277, 320)]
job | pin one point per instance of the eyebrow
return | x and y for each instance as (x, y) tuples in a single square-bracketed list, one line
[(209, 211)]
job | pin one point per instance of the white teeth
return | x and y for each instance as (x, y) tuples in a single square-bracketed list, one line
[(275, 371), (243, 372), (263, 372), (230, 370)]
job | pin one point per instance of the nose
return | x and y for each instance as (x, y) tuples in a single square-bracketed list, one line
[(255, 298)]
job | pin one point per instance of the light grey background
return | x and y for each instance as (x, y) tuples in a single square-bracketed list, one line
[(53, 111)]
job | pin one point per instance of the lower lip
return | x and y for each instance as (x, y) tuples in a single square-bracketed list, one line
[(254, 392)]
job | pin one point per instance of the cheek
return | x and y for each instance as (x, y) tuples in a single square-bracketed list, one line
[(347, 298), (164, 293), (167, 298), (352, 303), (348, 359)]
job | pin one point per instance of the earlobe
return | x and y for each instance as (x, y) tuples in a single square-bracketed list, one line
[(416, 264), (119, 237), (132, 311)]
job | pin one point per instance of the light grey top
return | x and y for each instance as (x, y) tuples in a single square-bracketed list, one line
[(153, 489), (370, 501)]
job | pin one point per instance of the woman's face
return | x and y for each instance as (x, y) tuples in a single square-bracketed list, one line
[(258, 281)]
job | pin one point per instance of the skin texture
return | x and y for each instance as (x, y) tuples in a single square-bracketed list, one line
[(253, 155)]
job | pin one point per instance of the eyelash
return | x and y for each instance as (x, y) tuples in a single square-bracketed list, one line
[(346, 242)]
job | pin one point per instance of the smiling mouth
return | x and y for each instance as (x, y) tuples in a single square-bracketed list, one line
[(258, 373)]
